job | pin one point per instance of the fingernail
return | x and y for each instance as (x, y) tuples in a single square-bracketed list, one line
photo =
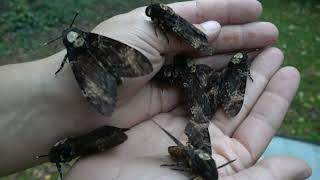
[(211, 26)]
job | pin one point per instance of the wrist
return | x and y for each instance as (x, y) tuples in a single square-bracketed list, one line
[(39, 109)]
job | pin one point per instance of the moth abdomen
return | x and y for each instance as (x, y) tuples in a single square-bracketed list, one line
[(96, 141)]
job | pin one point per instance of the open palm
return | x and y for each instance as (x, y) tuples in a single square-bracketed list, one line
[(243, 137)]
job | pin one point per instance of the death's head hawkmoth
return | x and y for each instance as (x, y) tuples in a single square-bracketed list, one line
[(96, 141), (196, 161), (167, 20), (99, 63)]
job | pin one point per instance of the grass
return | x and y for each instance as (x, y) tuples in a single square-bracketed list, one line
[(27, 23), (299, 24)]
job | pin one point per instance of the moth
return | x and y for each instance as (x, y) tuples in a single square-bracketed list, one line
[(234, 81), (96, 141), (196, 161), (99, 63), (167, 20), (205, 89), (193, 80)]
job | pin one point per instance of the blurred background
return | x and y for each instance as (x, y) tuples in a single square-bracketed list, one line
[(25, 24)]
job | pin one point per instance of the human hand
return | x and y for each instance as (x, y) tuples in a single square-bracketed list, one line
[(243, 138), (59, 109), (139, 99)]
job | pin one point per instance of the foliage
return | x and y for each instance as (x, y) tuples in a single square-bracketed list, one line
[(299, 26)]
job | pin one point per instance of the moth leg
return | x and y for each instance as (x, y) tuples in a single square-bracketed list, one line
[(249, 74), (62, 64), (164, 32), (155, 29), (177, 164), (166, 36), (184, 169), (169, 165), (195, 177), (59, 170)]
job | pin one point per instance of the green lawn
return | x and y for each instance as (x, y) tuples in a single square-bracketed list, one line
[(299, 26), (29, 23)]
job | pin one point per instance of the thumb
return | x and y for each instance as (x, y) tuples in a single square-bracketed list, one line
[(210, 28), (275, 168)]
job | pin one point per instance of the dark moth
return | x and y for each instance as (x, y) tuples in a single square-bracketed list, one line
[(234, 81), (168, 21), (200, 100), (204, 90), (195, 161), (99, 63), (96, 141)]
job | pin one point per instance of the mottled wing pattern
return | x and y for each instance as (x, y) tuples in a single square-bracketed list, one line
[(185, 30), (123, 59), (193, 35), (234, 86), (99, 140), (198, 136), (96, 83), (198, 103)]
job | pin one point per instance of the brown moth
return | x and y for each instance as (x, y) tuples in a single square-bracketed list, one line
[(99, 63), (96, 141), (168, 21), (192, 160)]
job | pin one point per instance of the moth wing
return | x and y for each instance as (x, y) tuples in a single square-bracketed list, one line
[(96, 83), (198, 135), (99, 140), (123, 59), (189, 33), (233, 89)]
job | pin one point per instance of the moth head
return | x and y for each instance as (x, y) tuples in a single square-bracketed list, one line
[(177, 152), (157, 10), (167, 8), (61, 152), (239, 58), (73, 37), (63, 33), (167, 74), (203, 155), (151, 9), (206, 166)]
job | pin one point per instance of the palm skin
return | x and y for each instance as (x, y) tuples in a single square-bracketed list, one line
[(243, 137)]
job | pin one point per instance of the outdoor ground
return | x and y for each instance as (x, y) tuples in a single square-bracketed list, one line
[(27, 23)]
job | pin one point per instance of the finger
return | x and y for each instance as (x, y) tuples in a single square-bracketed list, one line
[(223, 11), (228, 38), (247, 36), (177, 45), (262, 69), (265, 118), (141, 35), (274, 168)]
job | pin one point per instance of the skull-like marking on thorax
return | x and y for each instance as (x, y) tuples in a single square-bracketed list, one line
[(236, 59), (75, 39), (203, 155)]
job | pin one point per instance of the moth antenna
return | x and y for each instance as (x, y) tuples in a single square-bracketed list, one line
[(74, 18), (59, 170), (51, 41), (42, 156), (226, 164), (125, 129), (169, 134)]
